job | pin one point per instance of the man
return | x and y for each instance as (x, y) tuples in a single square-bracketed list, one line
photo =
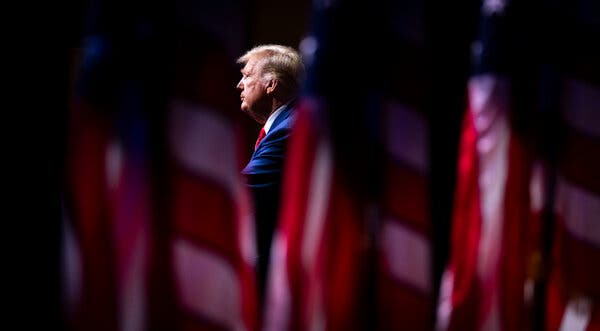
[(270, 82)]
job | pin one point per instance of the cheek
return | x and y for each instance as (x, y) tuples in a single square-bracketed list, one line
[(252, 91)]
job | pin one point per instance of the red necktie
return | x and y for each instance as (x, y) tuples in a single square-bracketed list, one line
[(261, 135)]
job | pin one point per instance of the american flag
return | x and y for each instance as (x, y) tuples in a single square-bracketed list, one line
[(352, 249), (573, 293), (158, 228), (208, 237), (484, 285)]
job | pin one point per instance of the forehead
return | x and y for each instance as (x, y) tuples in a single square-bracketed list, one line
[(253, 64)]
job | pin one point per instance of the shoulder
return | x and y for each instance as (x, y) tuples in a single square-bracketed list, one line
[(285, 120), (268, 157), (281, 129)]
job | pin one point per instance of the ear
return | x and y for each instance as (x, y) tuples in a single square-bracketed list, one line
[(272, 85)]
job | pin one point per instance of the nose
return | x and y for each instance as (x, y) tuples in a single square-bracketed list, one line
[(240, 85)]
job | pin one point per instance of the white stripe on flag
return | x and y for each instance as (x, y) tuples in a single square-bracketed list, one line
[(488, 101), (491, 319), (316, 311), (132, 278), (408, 254), (580, 210), (407, 136), (537, 187), (132, 296), (582, 106), (488, 97), (577, 315), (318, 203), (245, 221), (114, 160), (277, 314), (445, 307), (205, 142), (71, 267), (130, 231), (207, 285)]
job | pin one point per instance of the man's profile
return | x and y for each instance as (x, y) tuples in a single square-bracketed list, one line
[(271, 77)]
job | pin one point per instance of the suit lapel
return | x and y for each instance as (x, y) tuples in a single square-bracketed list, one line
[(285, 113)]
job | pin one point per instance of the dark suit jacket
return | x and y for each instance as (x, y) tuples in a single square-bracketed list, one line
[(264, 175)]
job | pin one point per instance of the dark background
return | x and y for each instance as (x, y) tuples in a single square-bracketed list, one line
[(44, 39)]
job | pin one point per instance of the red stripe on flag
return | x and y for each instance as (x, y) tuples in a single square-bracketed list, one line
[(579, 275), (517, 217), (401, 307), (581, 160), (207, 283), (210, 222), (130, 205), (466, 227), (405, 256), (345, 258), (555, 301), (406, 197), (89, 135)]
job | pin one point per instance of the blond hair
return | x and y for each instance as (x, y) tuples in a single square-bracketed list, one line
[(283, 62)]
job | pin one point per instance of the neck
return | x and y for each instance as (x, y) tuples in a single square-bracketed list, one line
[(280, 102), (276, 105)]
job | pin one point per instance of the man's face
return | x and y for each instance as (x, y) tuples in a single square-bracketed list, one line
[(253, 92)]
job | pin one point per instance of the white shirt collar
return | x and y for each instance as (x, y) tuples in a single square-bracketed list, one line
[(273, 116)]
